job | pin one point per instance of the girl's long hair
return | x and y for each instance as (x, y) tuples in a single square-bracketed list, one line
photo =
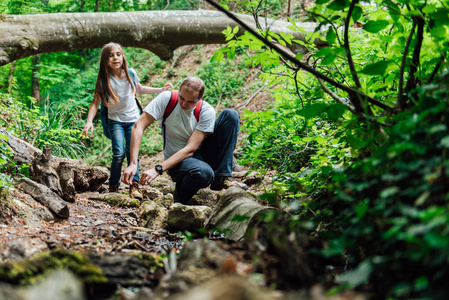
[(103, 89)]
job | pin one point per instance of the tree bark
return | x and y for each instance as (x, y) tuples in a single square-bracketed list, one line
[(35, 90), (11, 77), (161, 32)]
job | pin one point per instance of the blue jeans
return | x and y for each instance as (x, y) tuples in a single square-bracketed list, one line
[(120, 132), (214, 158)]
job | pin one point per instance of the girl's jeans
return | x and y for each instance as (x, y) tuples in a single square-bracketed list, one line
[(214, 158), (120, 132)]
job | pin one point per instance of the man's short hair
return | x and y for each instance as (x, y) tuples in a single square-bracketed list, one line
[(195, 84)]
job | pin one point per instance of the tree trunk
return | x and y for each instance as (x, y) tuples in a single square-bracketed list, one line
[(161, 32), (11, 77), (35, 69)]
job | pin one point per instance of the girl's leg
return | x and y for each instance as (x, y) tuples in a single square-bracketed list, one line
[(117, 132), (190, 175), (128, 129)]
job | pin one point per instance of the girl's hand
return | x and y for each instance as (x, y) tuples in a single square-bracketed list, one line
[(167, 86), (86, 129)]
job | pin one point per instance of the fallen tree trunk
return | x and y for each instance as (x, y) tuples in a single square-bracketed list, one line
[(45, 196), (234, 213), (161, 32)]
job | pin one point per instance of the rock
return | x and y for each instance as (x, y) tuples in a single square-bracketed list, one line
[(204, 197), (22, 248), (152, 216), (60, 284), (252, 178), (225, 287), (165, 200), (28, 209), (151, 193), (186, 217)]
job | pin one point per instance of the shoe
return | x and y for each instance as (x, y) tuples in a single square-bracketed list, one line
[(134, 191), (113, 188), (221, 182)]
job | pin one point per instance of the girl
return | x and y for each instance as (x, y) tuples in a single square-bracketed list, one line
[(116, 90)]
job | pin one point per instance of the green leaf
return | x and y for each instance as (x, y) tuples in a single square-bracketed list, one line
[(377, 68), (356, 13), (338, 5), (320, 140), (375, 26), (331, 36), (336, 111), (312, 110)]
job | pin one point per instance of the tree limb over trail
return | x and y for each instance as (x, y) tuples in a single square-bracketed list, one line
[(161, 32)]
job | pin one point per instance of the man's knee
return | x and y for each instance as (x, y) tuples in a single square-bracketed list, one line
[(231, 115)]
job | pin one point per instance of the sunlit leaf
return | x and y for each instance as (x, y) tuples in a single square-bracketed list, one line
[(375, 26)]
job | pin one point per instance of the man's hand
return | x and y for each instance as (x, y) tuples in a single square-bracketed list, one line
[(129, 173), (148, 176)]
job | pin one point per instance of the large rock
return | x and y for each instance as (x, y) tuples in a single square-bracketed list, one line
[(152, 216), (186, 217)]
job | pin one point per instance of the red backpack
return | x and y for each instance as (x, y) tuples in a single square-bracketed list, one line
[(171, 105)]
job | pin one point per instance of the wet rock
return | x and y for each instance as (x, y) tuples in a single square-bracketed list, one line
[(187, 217), (152, 216)]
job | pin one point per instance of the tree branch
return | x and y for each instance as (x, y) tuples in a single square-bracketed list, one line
[(346, 45), (402, 69), (307, 68)]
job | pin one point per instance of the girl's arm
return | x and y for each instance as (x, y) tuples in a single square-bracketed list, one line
[(93, 108), (140, 89)]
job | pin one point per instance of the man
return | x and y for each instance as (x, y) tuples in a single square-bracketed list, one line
[(196, 153)]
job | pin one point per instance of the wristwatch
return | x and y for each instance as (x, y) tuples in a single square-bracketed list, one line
[(159, 169)]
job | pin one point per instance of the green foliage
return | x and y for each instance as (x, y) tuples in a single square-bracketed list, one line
[(391, 208), (53, 126), (223, 82)]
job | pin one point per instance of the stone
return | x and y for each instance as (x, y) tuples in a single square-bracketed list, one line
[(152, 216), (187, 217)]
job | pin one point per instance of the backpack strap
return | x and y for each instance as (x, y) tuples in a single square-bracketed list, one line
[(197, 110), (168, 110), (133, 79)]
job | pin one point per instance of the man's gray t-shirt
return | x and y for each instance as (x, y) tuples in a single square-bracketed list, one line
[(180, 125)]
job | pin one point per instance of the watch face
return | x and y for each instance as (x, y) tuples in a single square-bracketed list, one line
[(158, 169)]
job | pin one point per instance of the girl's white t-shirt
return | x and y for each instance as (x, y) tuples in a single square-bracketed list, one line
[(180, 124), (126, 109)]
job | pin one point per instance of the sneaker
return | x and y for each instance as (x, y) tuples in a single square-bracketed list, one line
[(134, 191), (221, 182), (113, 188)]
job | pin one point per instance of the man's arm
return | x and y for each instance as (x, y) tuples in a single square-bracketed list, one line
[(139, 127), (192, 144)]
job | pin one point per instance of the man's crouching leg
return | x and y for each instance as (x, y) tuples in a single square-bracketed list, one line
[(190, 176)]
